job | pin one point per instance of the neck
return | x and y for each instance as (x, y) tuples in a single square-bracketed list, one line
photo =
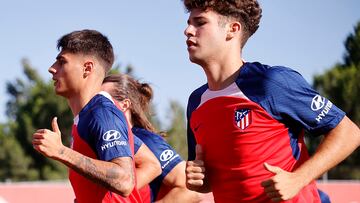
[(129, 118), (223, 73), (78, 101)]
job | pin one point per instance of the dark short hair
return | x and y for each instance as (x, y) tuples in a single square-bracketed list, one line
[(89, 42), (247, 12)]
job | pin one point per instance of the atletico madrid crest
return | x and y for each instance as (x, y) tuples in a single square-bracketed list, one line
[(243, 118)]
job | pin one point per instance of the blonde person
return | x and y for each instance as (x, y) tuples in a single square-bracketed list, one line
[(134, 98)]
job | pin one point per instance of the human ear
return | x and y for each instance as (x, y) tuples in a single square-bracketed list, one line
[(233, 29), (88, 68), (126, 104)]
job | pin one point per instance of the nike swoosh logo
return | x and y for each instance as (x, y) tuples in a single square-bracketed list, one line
[(197, 127)]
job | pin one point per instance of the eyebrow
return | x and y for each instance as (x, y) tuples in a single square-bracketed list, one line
[(60, 57), (196, 19)]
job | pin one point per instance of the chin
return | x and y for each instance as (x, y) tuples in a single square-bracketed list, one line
[(195, 59), (60, 93)]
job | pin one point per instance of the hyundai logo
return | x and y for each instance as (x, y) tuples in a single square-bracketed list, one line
[(111, 135), (166, 155), (317, 103)]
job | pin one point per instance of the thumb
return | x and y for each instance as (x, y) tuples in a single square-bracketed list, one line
[(199, 152), (272, 169), (55, 126)]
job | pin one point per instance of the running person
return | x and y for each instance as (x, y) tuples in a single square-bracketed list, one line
[(245, 126), (100, 159), (134, 99)]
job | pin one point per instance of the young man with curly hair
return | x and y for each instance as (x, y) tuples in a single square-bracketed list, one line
[(246, 125)]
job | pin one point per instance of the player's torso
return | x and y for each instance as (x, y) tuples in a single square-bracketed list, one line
[(229, 128), (238, 135), (84, 143)]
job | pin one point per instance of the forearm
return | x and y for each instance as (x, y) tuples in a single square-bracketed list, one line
[(179, 194), (108, 174), (336, 146)]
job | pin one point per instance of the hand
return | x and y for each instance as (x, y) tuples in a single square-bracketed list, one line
[(195, 171), (282, 186), (48, 142)]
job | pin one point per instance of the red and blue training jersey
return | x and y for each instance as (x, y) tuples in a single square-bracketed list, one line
[(261, 117), (165, 154), (100, 131)]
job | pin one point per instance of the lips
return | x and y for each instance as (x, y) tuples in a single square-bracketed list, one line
[(190, 43), (55, 81)]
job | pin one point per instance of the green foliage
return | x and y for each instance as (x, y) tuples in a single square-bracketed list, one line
[(32, 105), (352, 46), (340, 84), (176, 134), (14, 164)]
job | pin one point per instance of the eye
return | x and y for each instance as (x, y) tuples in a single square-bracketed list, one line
[(200, 22), (61, 61)]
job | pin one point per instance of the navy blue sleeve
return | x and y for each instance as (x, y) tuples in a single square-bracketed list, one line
[(193, 103), (166, 155), (137, 144), (290, 98), (110, 133)]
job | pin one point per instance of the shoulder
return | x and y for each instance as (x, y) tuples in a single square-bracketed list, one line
[(101, 112), (149, 138), (102, 106), (195, 98), (256, 69), (268, 77), (198, 92)]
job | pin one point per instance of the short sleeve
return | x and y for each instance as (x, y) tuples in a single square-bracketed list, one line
[(166, 155), (290, 98), (110, 132), (137, 144)]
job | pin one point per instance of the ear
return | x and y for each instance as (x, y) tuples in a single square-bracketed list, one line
[(233, 29), (88, 68), (126, 104)]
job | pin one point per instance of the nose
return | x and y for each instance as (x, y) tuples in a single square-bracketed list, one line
[(189, 31), (52, 69)]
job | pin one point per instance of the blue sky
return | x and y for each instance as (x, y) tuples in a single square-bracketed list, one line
[(305, 35)]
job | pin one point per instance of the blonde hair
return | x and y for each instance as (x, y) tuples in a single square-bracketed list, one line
[(140, 95)]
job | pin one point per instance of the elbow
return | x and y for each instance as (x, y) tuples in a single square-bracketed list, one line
[(127, 191), (157, 169), (124, 187)]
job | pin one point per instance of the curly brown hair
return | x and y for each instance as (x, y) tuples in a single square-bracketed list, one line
[(247, 12)]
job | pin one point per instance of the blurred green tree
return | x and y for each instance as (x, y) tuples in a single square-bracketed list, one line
[(31, 106), (14, 164), (176, 133), (341, 85)]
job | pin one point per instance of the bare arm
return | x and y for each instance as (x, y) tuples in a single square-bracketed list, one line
[(147, 166), (116, 175), (339, 143), (177, 191)]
